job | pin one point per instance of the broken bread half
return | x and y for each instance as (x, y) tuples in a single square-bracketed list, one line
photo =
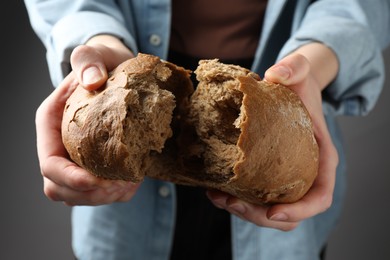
[(256, 137), (112, 131), (235, 133)]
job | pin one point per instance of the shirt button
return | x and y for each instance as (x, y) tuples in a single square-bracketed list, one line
[(164, 191), (155, 40)]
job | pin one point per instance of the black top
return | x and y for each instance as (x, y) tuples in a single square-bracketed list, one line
[(202, 231)]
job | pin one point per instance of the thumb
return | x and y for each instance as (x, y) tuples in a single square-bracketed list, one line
[(289, 71), (88, 65)]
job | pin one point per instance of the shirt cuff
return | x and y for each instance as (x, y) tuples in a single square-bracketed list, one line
[(359, 81), (76, 29)]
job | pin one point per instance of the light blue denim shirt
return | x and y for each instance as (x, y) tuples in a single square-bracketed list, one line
[(143, 228)]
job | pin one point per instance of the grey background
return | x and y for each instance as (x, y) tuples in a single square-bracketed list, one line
[(32, 227)]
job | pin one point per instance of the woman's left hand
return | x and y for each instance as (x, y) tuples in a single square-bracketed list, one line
[(297, 72)]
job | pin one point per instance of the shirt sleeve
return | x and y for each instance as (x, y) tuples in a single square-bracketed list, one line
[(357, 31), (62, 25)]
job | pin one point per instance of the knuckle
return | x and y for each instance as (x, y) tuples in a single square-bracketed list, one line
[(326, 202), (289, 227), (300, 58), (51, 193), (39, 112), (333, 155), (79, 183), (79, 52), (44, 171), (77, 179), (82, 55), (69, 204), (336, 157), (45, 166), (299, 61)]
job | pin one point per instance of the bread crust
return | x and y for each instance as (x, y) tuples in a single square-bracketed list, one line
[(111, 132), (236, 133), (268, 146), (279, 167)]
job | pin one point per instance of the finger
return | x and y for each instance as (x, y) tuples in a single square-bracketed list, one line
[(103, 196), (68, 174), (98, 196), (319, 197), (89, 66), (316, 201), (48, 119), (130, 191), (51, 152), (218, 198), (257, 215), (289, 71), (246, 211)]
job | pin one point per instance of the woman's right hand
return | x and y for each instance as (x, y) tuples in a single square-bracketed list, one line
[(63, 179)]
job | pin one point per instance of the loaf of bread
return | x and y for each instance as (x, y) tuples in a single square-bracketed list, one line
[(235, 133)]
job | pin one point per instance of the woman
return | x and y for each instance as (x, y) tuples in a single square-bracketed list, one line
[(328, 51)]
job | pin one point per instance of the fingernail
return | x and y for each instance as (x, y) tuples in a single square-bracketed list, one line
[(279, 217), (281, 71), (91, 75), (237, 208)]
